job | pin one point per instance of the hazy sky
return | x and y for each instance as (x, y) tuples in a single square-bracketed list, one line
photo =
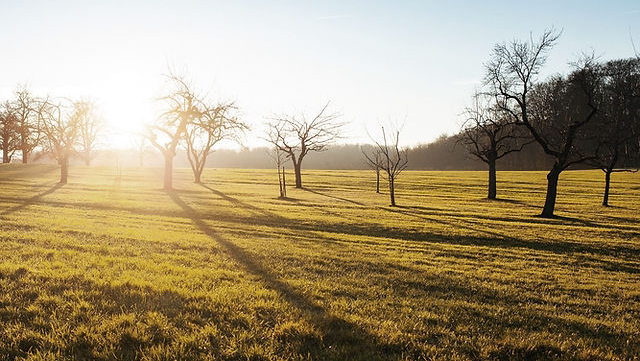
[(415, 62)]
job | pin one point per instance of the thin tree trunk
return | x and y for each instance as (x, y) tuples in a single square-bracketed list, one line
[(296, 168), (196, 176), (25, 154), (64, 170), (280, 181), (5, 153), (168, 173), (552, 191), (607, 182), (392, 193), (284, 184), (377, 180), (492, 179)]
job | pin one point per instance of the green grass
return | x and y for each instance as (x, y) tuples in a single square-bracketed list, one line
[(119, 269)]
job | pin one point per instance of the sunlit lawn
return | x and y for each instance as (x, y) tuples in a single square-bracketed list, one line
[(103, 268)]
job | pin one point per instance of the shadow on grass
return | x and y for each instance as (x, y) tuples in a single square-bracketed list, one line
[(333, 197), (265, 218), (238, 203), (32, 200), (340, 339)]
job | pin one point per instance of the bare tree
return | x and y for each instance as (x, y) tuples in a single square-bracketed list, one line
[(59, 125), (9, 137), (392, 160), (562, 113), (296, 136), (373, 161), (213, 124), (489, 133), (167, 131), (27, 110), (278, 156), (620, 115), (512, 73), (91, 126), (139, 145)]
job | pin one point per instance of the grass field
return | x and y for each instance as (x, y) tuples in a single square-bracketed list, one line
[(119, 269)]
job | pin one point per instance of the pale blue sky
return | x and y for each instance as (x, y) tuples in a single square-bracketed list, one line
[(411, 61)]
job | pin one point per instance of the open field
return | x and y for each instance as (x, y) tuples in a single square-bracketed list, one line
[(108, 269)]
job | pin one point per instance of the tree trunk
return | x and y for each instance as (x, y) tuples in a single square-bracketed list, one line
[(284, 184), (168, 173), (296, 168), (377, 180), (280, 181), (196, 176), (5, 153), (25, 153), (607, 182), (64, 170), (552, 191), (492, 179), (392, 192)]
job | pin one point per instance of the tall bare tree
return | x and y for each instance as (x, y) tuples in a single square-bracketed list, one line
[(168, 130), (562, 117), (392, 160), (91, 126), (27, 110), (9, 136), (60, 126), (489, 133), (512, 72), (296, 135), (212, 125)]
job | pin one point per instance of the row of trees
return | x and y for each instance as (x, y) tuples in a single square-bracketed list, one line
[(56, 126), (590, 116)]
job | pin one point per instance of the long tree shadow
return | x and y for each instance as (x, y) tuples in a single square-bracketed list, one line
[(238, 203), (379, 230), (332, 196), (340, 339), (32, 200)]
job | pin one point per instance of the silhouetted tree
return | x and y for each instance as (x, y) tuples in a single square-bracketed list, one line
[(296, 136), (60, 127), (26, 108), (168, 129), (489, 133), (620, 115), (90, 127), (212, 124), (392, 160), (278, 156), (9, 136), (373, 160), (512, 72), (561, 115)]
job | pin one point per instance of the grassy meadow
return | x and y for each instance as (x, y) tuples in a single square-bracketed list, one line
[(116, 268)]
